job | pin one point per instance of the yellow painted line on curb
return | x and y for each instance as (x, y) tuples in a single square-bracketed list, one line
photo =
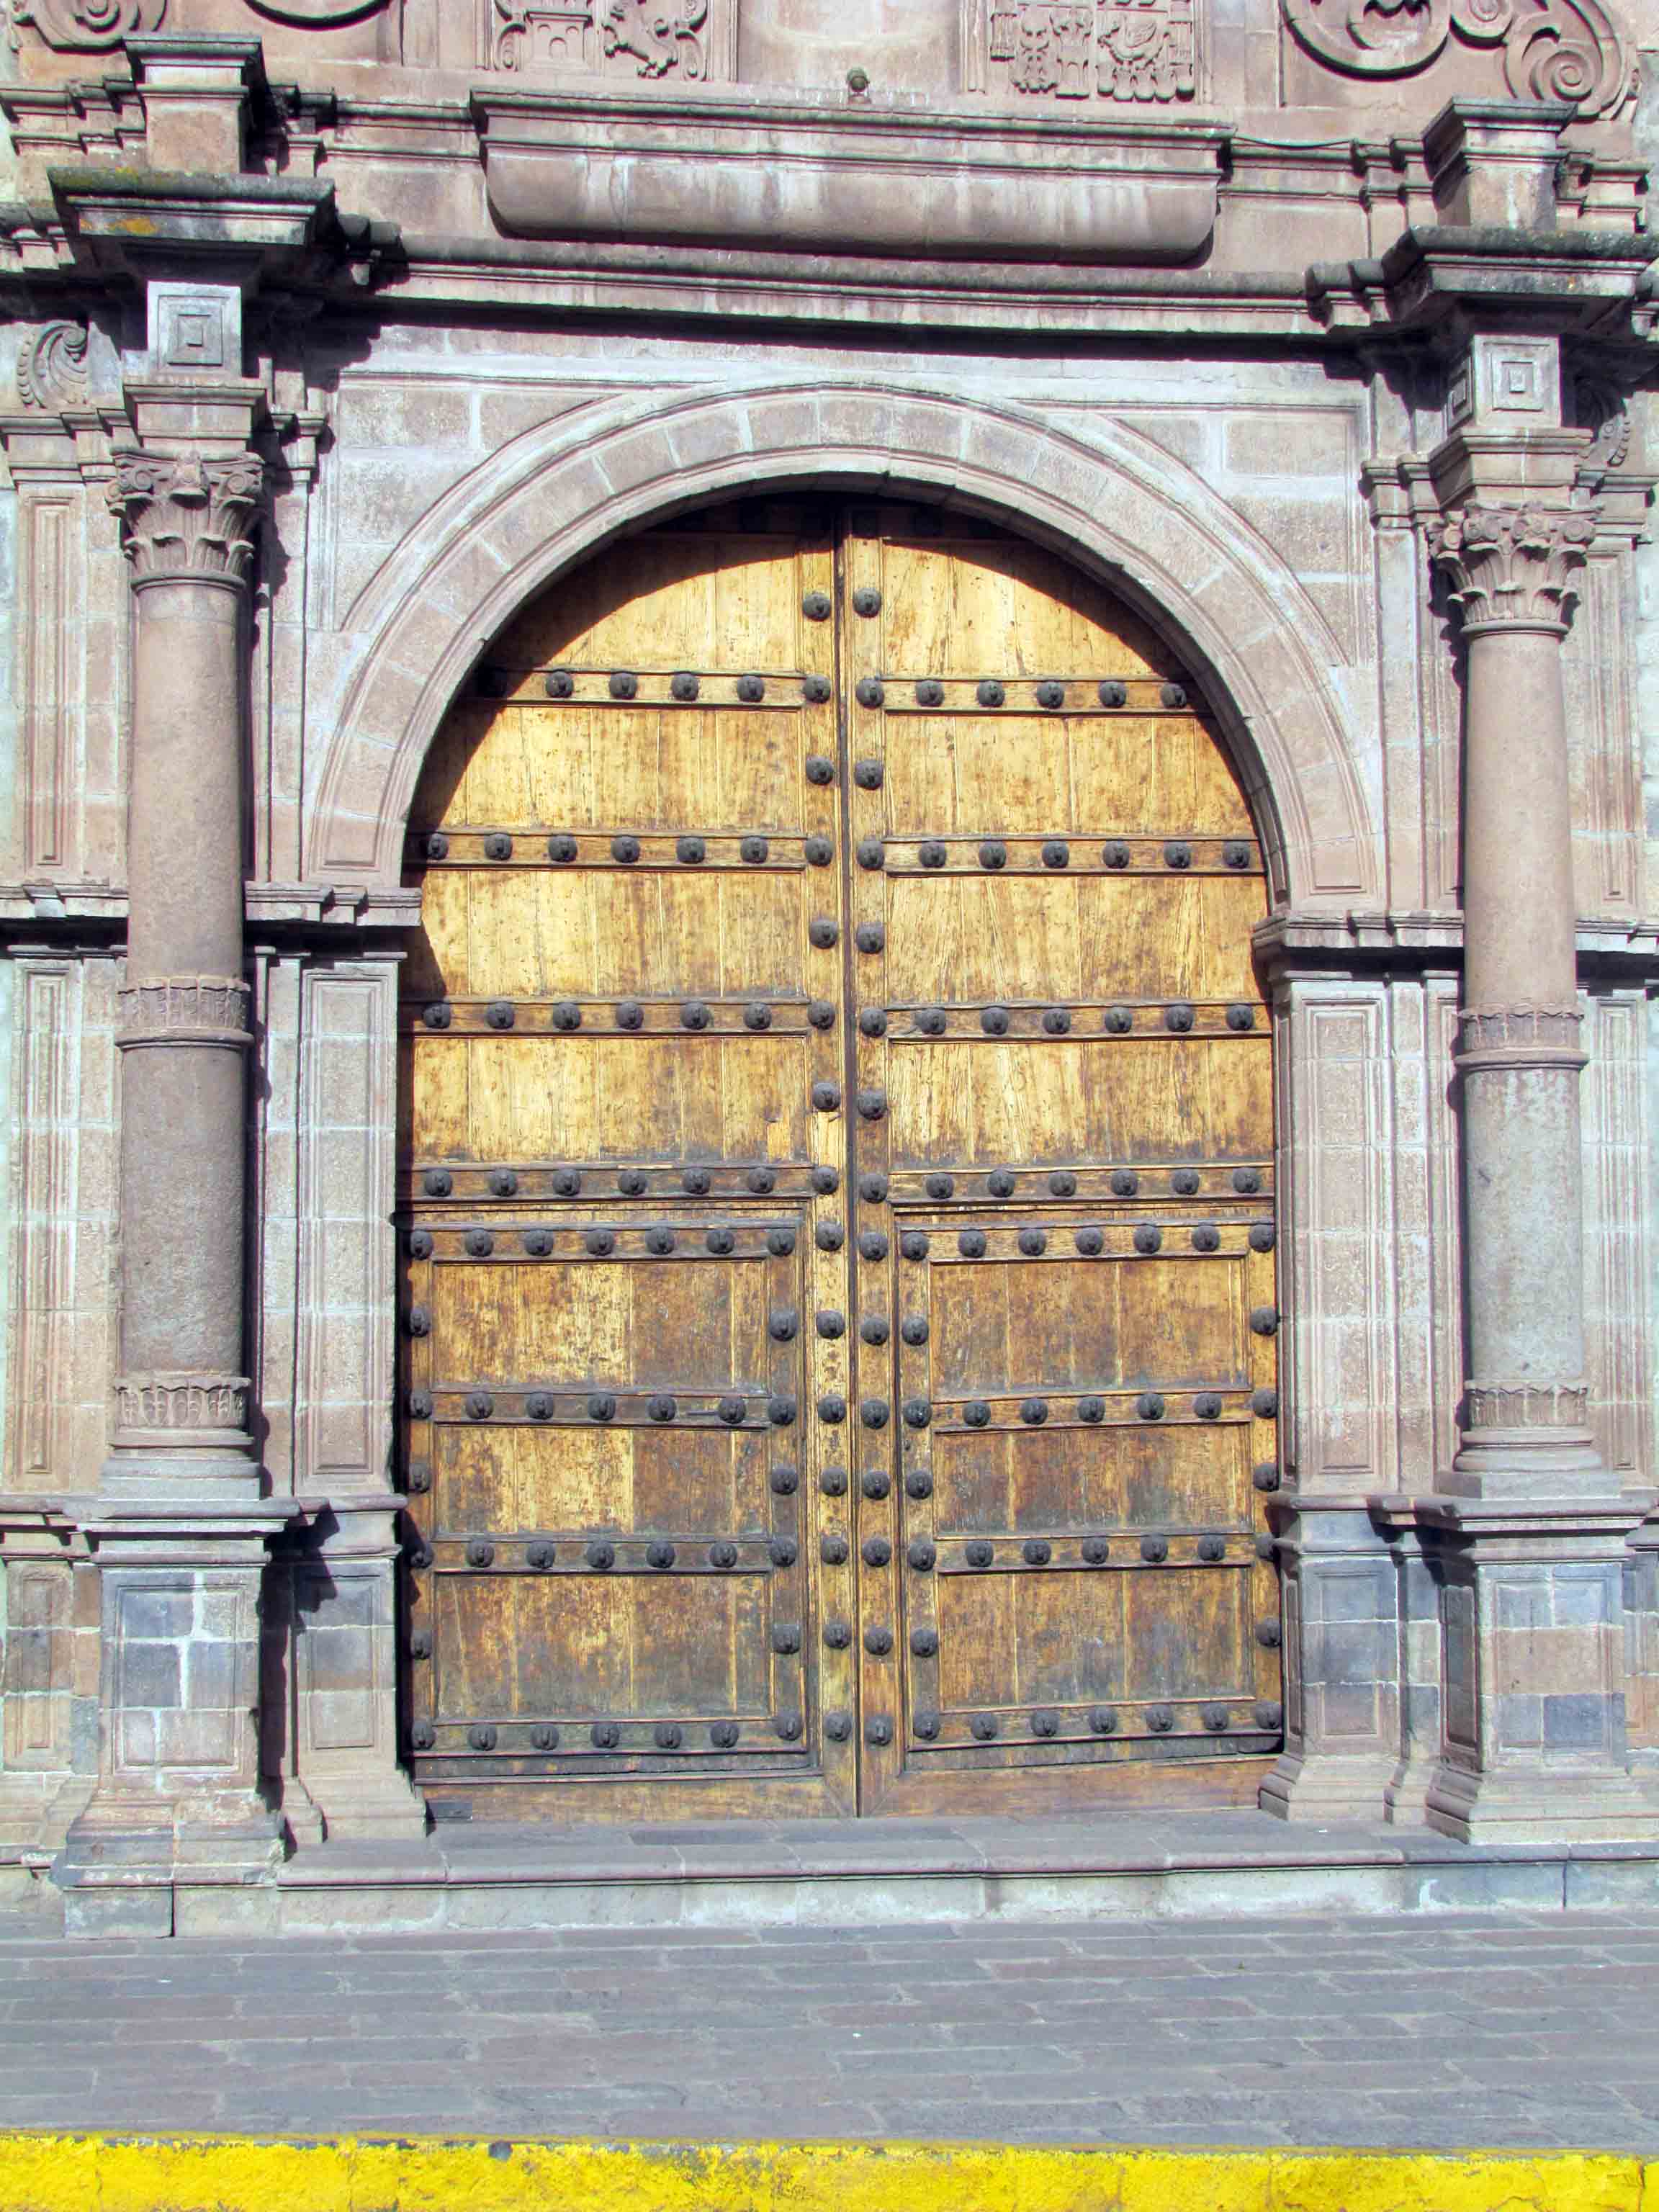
[(231, 2173)]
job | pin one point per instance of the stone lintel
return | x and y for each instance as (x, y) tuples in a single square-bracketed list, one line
[(715, 170), (211, 417), (1518, 466)]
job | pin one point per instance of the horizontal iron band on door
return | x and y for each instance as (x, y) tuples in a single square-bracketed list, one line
[(569, 1556), (1242, 1714), (631, 1241), (478, 1405), (1126, 1239), (689, 1739), (1124, 1551), (1201, 1405), (1202, 1182), (587, 1183), (553, 849), (614, 1239), (565, 685), (1077, 1021), (1094, 695), (1070, 853), (573, 1019)]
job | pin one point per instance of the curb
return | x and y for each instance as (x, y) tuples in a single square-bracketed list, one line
[(232, 2173)]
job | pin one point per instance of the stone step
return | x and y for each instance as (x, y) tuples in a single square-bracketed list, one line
[(869, 1872)]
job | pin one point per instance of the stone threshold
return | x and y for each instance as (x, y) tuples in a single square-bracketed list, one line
[(482, 1875)]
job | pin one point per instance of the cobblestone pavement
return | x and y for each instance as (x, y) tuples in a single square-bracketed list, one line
[(1504, 2030)]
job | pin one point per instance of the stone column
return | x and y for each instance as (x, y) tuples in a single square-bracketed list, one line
[(1527, 1543), (1525, 1431), (182, 1395), (179, 1530)]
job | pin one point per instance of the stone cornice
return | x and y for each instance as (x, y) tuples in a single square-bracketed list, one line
[(1580, 281), (124, 222)]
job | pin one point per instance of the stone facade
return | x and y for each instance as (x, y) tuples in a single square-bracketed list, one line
[(334, 332)]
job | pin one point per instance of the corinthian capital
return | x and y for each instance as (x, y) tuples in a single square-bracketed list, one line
[(186, 520), (1513, 564)]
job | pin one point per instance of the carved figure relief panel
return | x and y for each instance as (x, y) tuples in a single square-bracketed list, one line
[(682, 40), (1127, 50), (1571, 51)]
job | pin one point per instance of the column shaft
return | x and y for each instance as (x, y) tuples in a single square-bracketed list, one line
[(1524, 1425), (182, 1391)]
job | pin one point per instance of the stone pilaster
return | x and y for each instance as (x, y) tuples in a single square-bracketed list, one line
[(180, 1529)]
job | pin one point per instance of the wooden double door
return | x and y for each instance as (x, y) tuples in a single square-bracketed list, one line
[(836, 1190)]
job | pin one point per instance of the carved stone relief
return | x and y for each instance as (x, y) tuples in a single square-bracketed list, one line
[(1570, 51), (85, 26), (181, 1401), (626, 38), (1120, 49), (51, 366), (1518, 564), (1598, 406), (188, 518)]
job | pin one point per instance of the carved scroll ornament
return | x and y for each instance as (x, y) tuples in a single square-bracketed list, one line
[(52, 368), (85, 26), (1513, 564), (188, 519), (1553, 50)]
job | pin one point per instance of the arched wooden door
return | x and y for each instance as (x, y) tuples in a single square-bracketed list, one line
[(837, 1189)]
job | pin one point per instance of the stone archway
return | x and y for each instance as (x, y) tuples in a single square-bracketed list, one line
[(1108, 497)]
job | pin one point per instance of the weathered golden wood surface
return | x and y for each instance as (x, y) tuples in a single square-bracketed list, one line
[(838, 1190)]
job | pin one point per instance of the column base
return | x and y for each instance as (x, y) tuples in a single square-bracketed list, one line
[(1601, 1806), (1557, 1464), (1320, 1787), (216, 1466)]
